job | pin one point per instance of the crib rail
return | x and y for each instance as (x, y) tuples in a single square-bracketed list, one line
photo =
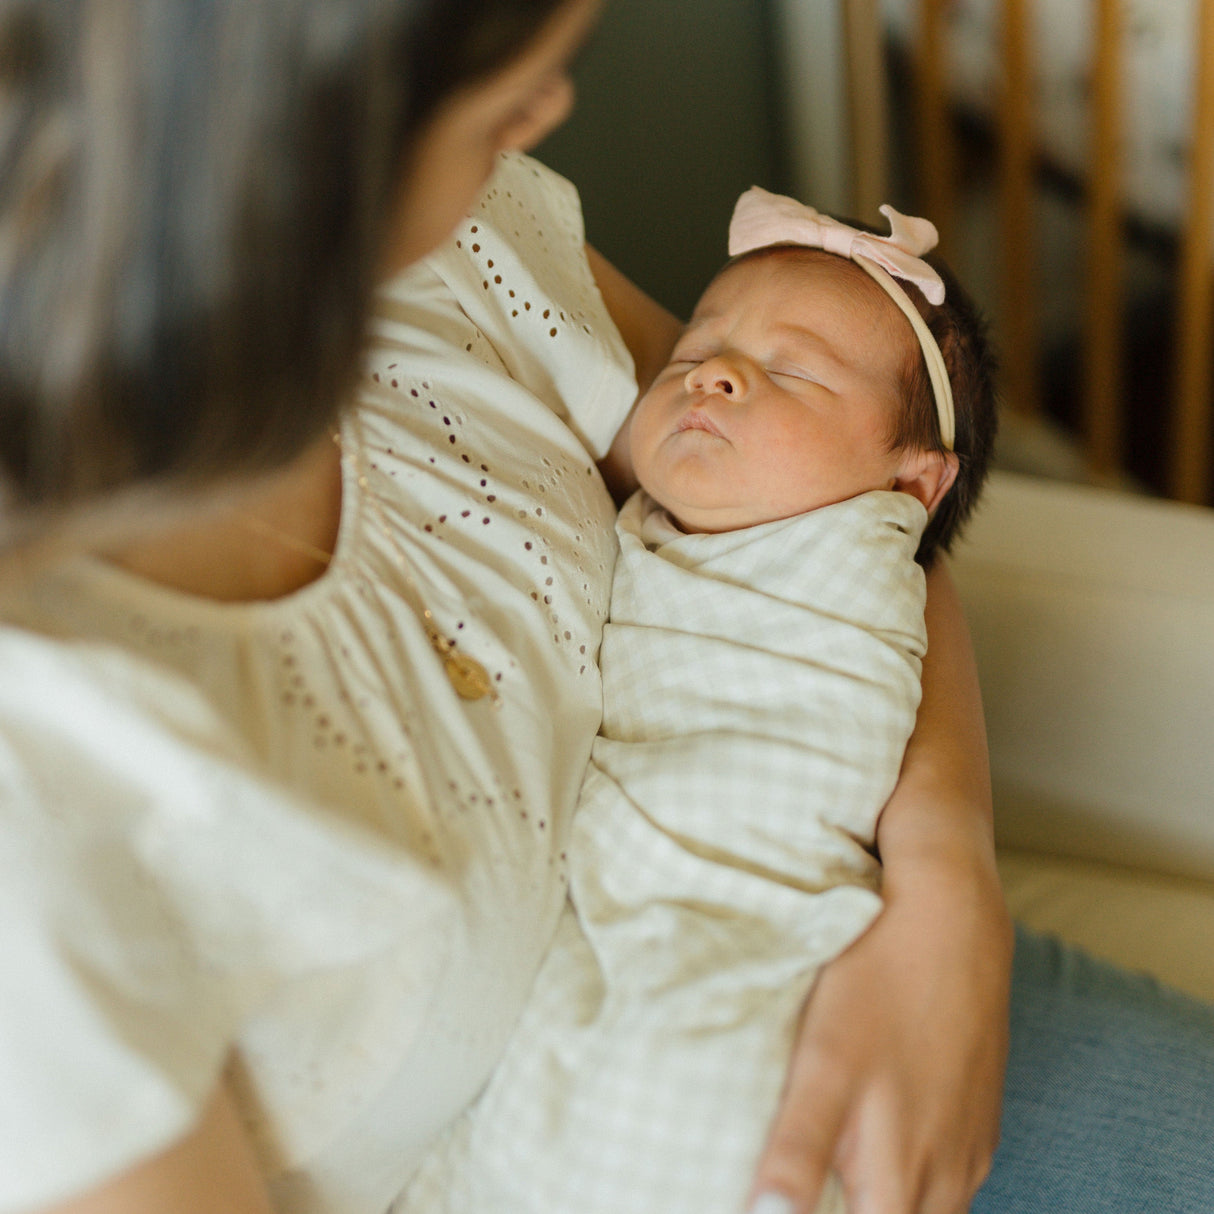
[(1102, 405), (1191, 454), (1189, 448)]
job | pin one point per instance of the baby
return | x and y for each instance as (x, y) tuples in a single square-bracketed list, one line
[(825, 418)]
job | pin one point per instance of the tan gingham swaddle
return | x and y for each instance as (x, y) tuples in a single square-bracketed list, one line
[(759, 689)]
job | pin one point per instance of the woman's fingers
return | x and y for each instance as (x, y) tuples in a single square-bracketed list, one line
[(893, 1164), (896, 1074), (801, 1146), (869, 1140)]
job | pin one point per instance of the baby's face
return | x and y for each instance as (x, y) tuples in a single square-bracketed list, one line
[(779, 397)]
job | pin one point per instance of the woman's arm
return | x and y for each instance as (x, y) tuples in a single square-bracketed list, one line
[(211, 1171), (897, 1078), (649, 332)]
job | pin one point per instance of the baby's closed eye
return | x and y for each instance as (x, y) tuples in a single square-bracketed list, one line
[(684, 364), (784, 371), (690, 356)]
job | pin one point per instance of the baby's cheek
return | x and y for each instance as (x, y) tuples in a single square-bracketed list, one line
[(644, 435), (785, 457), (788, 479)]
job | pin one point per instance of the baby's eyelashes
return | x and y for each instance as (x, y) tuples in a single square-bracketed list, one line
[(675, 370), (793, 373), (680, 368)]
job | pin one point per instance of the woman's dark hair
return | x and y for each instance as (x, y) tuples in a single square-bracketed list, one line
[(194, 196)]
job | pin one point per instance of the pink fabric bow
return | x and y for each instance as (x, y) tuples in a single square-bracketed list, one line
[(761, 218)]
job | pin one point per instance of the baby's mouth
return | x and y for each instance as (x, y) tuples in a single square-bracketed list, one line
[(693, 419)]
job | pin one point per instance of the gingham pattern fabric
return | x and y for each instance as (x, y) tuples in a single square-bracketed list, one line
[(759, 688)]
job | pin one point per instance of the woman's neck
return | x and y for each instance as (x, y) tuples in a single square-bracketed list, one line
[(274, 541)]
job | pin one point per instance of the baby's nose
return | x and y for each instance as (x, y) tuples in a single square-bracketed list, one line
[(721, 374)]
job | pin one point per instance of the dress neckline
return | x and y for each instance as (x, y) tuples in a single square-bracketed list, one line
[(146, 592)]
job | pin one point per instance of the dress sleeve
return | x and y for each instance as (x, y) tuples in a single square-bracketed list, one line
[(517, 267), (154, 893)]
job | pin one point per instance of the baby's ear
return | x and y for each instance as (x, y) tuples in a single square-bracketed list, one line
[(927, 475)]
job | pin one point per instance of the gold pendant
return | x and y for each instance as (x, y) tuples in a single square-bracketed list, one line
[(469, 678)]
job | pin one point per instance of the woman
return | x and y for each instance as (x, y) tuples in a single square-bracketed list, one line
[(282, 786)]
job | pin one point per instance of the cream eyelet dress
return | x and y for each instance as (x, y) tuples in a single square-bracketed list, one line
[(271, 836)]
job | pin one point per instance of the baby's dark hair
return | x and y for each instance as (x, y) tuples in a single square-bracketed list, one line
[(962, 333)]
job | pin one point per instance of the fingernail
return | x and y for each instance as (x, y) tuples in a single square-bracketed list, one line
[(772, 1203)]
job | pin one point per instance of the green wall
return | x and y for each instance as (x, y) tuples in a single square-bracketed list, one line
[(675, 118)]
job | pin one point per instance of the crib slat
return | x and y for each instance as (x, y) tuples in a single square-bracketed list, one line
[(1190, 465), (1019, 314), (1102, 346), (933, 134)]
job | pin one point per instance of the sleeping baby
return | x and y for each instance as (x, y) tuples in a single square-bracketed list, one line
[(824, 420)]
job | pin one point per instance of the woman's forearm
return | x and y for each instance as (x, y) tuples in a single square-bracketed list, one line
[(940, 810), (210, 1171), (936, 834)]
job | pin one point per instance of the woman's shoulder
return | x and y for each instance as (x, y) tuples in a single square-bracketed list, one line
[(520, 248), (100, 742), (155, 889), (108, 759), (92, 697), (79, 715), (512, 290), (80, 755)]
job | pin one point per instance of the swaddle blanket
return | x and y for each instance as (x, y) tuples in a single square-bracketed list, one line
[(759, 689)]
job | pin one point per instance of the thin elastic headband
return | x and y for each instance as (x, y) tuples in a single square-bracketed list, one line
[(761, 219)]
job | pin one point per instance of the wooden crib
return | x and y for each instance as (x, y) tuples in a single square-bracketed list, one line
[(929, 140)]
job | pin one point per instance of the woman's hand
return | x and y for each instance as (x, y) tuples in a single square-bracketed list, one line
[(898, 1072), (897, 1076)]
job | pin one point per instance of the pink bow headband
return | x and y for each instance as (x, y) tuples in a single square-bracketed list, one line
[(761, 219)]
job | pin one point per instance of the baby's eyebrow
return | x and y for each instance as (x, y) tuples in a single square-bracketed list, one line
[(700, 321), (694, 334), (803, 340)]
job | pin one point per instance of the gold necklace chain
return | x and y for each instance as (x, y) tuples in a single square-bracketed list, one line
[(468, 676), (260, 527)]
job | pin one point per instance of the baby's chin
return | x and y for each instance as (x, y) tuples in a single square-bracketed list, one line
[(709, 519), (701, 496)]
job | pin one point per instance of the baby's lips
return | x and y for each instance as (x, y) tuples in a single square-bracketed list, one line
[(696, 419)]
